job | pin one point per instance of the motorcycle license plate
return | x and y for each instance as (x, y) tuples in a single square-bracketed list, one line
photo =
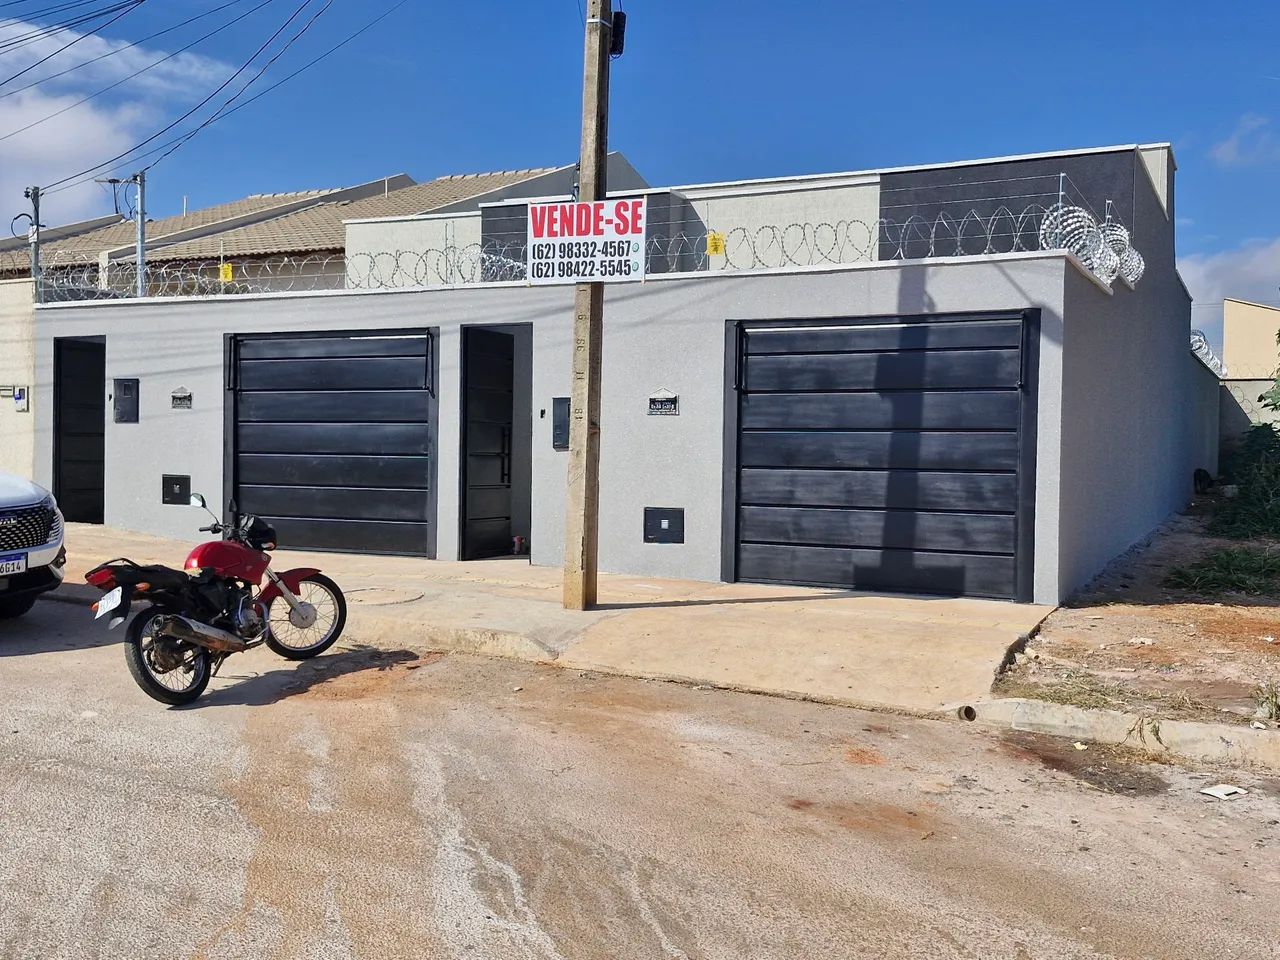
[(13, 563), (109, 602)]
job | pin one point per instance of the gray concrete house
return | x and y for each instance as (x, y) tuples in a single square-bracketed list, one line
[(965, 379)]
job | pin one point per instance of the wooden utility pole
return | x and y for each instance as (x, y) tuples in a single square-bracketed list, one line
[(582, 513)]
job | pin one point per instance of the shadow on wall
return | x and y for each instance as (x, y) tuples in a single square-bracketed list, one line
[(896, 375)]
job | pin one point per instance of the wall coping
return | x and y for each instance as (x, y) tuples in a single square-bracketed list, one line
[(705, 275)]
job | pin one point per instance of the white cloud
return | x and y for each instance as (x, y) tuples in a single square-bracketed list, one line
[(185, 72), (1248, 272), (91, 132), (1252, 142)]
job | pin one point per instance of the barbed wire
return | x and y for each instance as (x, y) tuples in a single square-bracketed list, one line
[(680, 246), (1201, 348)]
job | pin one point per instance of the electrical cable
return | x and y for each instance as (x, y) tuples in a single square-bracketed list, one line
[(67, 46), (221, 111), (127, 46), (43, 32), (107, 164), (257, 96), (29, 16), (137, 73)]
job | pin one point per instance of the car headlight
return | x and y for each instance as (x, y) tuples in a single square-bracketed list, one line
[(50, 504)]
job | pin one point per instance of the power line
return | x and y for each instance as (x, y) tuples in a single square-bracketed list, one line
[(106, 164), (29, 16), (127, 46), (67, 46), (221, 111), (136, 73), (262, 93), (48, 30)]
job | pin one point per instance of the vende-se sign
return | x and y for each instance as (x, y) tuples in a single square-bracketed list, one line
[(586, 242)]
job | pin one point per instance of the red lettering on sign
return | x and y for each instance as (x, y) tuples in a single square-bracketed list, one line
[(622, 216), (538, 221), (583, 224), (637, 217), (597, 219)]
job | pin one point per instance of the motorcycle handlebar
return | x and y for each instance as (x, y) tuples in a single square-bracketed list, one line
[(213, 528)]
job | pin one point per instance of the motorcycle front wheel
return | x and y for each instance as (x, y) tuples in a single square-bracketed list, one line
[(167, 670), (300, 635)]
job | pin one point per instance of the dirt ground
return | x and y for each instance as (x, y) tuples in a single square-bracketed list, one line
[(1129, 642), (387, 805)]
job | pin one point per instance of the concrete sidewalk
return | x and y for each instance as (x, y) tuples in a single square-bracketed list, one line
[(911, 654)]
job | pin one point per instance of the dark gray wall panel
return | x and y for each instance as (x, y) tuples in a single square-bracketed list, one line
[(286, 348), (878, 450), (902, 489), (380, 373), (362, 438), (337, 503), (892, 570), (355, 406), (881, 453), (334, 438), (925, 196), (904, 529), (885, 371), (353, 536), (889, 336), (338, 471), (882, 411)]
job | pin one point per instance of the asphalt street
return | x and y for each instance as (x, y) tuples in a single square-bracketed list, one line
[(387, 804)]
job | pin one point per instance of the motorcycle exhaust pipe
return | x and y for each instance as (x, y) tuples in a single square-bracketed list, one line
[(203, 635)]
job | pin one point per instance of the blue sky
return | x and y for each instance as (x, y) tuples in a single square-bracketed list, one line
[(705, 92)]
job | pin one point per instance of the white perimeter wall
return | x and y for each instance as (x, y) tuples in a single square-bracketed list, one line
[(662, 334), (17, 367)]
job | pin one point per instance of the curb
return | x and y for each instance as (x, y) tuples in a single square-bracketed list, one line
[(77, 593), (1205, 742)]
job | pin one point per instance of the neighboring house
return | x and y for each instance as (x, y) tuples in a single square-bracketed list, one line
[(1251, 357), (970, 379), (262, 243), (435, 238)]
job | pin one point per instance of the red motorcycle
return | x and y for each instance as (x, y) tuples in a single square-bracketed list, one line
[(199, 616)]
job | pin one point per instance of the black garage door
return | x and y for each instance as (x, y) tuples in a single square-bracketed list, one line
[(334, 439), (886, 454)]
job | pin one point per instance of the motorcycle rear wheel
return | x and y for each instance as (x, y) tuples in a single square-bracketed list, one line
[(143, 658)]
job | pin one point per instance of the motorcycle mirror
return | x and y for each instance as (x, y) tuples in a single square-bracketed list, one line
[(198, 501)]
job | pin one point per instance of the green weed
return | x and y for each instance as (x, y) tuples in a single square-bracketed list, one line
[(1249, 570)]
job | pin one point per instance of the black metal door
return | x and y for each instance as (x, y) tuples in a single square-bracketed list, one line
[(487, 416), (335, 439), (887, 454), (80, 408)]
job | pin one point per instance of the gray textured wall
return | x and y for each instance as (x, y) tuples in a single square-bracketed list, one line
[(1133, 428), (663, 334)]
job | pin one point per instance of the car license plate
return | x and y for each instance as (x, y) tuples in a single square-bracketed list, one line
[(109, 602), (13, 563)]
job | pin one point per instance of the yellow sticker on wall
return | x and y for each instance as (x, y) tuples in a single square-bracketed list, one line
[(226, 272), (715, 244)]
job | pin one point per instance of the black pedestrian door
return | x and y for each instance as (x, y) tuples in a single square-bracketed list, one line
[(334, 439), (488, 415), (80, 407), (886, 454)]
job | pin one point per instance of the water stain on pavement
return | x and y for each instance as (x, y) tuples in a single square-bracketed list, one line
[(331, 795), (873, 818), (864, 756), (1111, 769)]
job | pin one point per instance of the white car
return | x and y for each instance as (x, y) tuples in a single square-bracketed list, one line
[(32, 556)]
